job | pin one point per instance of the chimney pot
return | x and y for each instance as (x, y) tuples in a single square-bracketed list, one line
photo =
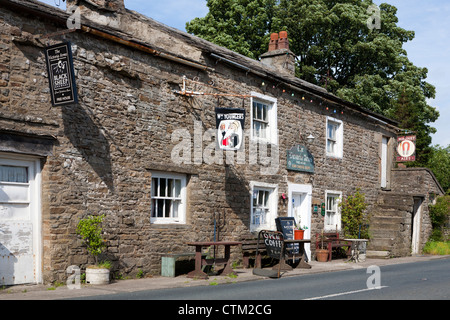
[(283, 42), (273, 44)]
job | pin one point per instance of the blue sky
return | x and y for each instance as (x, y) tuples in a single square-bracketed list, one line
[(430, 48)]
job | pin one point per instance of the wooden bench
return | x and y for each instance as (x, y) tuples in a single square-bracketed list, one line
[(332, 241), (249, 246)]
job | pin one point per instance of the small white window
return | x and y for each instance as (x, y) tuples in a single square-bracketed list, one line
[(263, 206), (264, 118), (332, 212), (168, 198), (335, 137)]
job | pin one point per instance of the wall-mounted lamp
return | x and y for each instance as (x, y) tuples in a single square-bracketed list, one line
[(310, 138)]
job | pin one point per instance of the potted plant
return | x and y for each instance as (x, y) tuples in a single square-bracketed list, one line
[(299, 231), (321, 253), (91, 232)]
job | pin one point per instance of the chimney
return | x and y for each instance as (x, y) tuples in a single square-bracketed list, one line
[(279, 56), (273, 44)]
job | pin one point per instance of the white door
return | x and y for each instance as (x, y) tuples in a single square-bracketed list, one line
[(416, 222), (300, 208), (19, 220), (384, 150)]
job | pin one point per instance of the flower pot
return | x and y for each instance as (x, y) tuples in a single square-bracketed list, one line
[(298, 234), (322, 255), (97, 275)]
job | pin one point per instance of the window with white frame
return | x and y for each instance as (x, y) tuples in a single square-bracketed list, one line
[(264, 118), (332, 212), (335, 137), (263, 206), (168, 198)]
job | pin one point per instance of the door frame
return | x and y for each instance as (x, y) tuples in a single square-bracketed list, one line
[(36, 208), (304, 189)]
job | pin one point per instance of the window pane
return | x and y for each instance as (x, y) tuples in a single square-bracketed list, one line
[(170, 187), (13, 174), (162, 187), (266, 198), (178, 188), (160, 208), (167, 207), (176, 204), (154, 187), (264, 114), (331, 146)]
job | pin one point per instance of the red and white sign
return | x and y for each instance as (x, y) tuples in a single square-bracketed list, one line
[(406, 148)]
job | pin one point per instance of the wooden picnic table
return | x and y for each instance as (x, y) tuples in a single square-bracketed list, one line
[(200, 261)]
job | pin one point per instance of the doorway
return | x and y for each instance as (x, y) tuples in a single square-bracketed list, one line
[(20, 243), (416, 225), (299, 207)]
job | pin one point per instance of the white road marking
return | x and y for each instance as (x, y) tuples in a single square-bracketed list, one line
[(345, 293)]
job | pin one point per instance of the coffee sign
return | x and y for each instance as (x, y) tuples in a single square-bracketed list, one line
[(60, 74)]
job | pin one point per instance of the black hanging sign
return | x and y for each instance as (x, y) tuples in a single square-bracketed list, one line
[(60, 74), (230, 128)]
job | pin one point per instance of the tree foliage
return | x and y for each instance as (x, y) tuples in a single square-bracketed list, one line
[(353, 216), (336, 49), (91, 232), (439, 164)]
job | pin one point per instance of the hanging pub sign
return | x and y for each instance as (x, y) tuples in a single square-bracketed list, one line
[(230, 128), (406, 148), (60, 74), (300, 159)]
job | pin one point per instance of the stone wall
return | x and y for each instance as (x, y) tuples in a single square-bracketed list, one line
[(121, 130), (392, 216)]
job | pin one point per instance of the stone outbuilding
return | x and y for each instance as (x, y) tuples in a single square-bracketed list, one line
[(140, 145)]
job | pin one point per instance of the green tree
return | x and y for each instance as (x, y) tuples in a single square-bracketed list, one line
[(239, 25), (337, 50), (91, 232), (439, 164), (353, 216)]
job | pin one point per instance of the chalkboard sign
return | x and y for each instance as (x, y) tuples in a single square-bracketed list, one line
[(273, 241), (286, 226), (61, 77)]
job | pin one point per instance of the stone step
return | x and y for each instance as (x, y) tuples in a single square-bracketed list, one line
[(380, 244)]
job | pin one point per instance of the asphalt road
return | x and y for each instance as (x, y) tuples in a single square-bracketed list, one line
[(427, 280)]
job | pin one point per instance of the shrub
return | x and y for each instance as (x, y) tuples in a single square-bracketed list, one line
[(91, 232), (353, 216), (439, 215)]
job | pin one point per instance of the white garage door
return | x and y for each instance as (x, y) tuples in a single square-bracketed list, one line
[(19, 221)]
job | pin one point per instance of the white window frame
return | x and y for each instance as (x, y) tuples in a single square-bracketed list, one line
[(181, 219), (272, 205), (272, 118), (336, 210), (338, 139)]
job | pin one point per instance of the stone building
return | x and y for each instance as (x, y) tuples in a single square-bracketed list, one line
[(140, 146)]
